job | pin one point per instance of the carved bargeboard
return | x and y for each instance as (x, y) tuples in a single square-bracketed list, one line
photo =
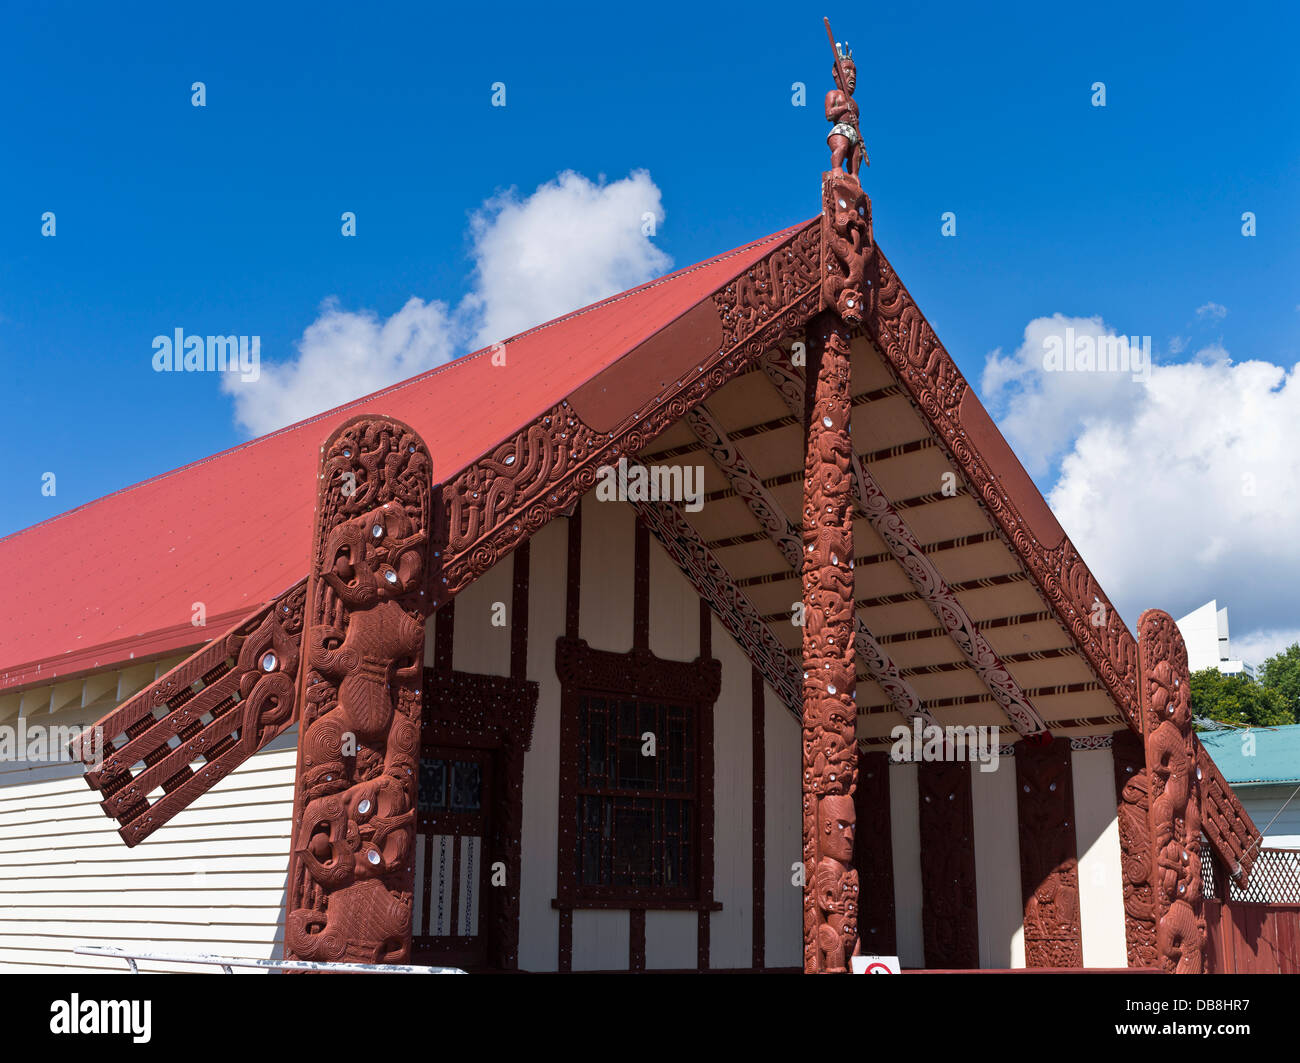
[(351, 869), (1174, 797), (220, 706), (1234, 837)]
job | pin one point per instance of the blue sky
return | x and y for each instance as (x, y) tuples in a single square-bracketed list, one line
[(225, 219)]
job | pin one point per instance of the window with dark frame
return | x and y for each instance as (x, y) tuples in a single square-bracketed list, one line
[(637, 815)]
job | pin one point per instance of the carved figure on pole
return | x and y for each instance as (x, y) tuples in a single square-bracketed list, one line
[(846, 209), (829, 711), (351, 868), (845, 137)]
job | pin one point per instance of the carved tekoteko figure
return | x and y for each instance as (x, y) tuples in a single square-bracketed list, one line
[(351, 870), (845, 137), (846, 210)]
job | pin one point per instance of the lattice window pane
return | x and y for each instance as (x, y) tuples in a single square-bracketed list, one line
[(636, 821)]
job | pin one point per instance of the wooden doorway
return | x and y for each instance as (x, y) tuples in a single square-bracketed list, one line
[(469, 818), (452, 850)]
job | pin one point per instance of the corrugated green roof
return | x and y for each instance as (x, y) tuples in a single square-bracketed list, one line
[(1275, 759)]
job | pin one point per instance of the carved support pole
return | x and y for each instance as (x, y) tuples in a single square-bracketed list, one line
[(1173, 795), (829, 711), (351, 867)]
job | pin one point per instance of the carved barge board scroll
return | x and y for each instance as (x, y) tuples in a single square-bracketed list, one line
[(829, 711), (949, 918), (538, 473), (1131, 792), (1175, 815), (900, 332), (1049, 865), (351, 867), (873, 856), (220, 706)]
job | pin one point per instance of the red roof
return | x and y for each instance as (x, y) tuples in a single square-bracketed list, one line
[(118, 578)]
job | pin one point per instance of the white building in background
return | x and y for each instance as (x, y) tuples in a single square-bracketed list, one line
[(1205, 630)]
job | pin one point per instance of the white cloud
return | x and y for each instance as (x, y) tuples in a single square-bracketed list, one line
[(1041, 412), (570, 243), (1175, 491), (343, 355), (1212, 312), (1259, 646)]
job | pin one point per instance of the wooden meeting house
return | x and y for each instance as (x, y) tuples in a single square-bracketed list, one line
[(469, 690)]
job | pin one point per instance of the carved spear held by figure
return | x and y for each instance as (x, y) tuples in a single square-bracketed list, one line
[(839, 69)]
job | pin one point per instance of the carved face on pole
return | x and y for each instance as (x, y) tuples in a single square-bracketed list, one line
[(374, 557), (836, 821), (850, 75)]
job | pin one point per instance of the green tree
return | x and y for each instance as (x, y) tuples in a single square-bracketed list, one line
[(1237, 699), (1281, 673)]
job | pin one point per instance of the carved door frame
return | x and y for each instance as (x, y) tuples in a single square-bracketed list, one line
[(493, 713)]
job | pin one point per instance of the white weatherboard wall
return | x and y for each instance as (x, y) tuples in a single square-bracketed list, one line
[(210, 880)]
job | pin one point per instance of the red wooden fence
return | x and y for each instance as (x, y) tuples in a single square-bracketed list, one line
[(1252, 938)]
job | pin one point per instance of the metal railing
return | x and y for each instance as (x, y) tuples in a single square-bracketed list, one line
[(226, 963)]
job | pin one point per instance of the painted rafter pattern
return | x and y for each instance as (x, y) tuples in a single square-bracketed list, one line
[(900, 332), (736, 612), (767, 511), (921, 571)]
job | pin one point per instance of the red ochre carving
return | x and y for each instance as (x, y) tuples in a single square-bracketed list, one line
[(223, 704), (949, 914), (500, 500), (846, 239), (1235, 838), (1131, 786), (829, 713), (351, 869), (1174, 798), (1049, 866)]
